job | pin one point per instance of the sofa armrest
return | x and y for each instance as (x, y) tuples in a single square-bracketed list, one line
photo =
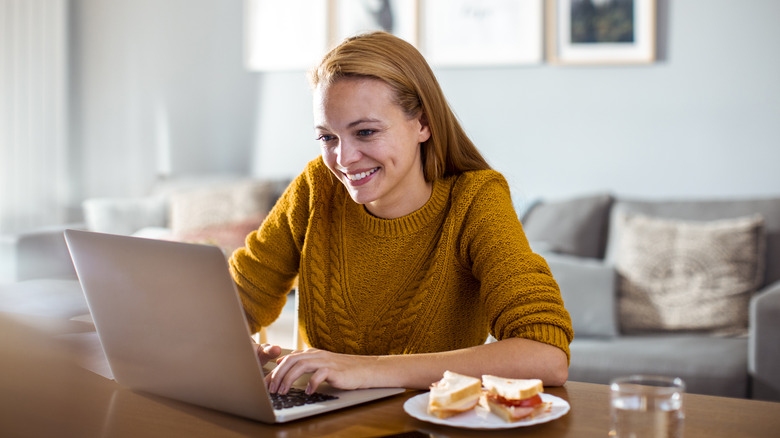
[(763, 345), (588, 288), (41, 253)]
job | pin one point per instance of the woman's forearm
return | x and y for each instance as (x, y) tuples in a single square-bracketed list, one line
[(513, 358)]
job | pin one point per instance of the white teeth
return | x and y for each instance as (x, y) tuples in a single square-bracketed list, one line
[(359, 176)]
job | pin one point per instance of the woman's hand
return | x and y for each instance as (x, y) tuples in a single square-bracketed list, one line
[(339, 370), (513, 358), (267, 352)]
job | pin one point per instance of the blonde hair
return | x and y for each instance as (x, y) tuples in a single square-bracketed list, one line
[(382, 56)]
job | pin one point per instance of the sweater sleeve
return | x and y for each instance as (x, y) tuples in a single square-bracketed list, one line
[(517, 289), (266, 267)]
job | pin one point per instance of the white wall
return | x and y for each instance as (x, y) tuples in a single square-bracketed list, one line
[(158, 86), (702, 121), (33, 113)]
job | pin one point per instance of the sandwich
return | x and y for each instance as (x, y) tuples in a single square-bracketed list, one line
[(512, 399), (453, 394)]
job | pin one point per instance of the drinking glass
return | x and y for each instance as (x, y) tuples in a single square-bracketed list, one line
[(645, 406)]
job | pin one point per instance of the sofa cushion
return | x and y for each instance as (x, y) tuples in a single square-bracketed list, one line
[(124, 215), (222, 215), (589, 294), (708, 364), (708, 210), (576, 226), (687, 275)]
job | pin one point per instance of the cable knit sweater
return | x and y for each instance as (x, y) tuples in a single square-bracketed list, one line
[(437, 279)]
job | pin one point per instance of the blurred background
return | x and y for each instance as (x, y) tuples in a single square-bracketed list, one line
[(103, 98)]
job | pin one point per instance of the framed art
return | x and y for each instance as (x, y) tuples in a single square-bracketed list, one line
[(284, 35), (398, 17), (482, 33), (601, 31)]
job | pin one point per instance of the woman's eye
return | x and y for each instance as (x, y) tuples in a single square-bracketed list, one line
[(325, 138), (365, 132)]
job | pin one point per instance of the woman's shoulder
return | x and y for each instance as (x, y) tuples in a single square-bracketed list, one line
[(473, 182), (315, 177), (313, 185), (316, 170)]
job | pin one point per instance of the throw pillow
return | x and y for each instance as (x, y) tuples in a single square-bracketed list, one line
[(222, 215), (676, 275), (575, 227)]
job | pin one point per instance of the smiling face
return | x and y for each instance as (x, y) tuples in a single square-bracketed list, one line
[(372, 146)]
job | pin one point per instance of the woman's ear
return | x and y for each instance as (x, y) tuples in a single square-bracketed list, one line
[(425, 129)]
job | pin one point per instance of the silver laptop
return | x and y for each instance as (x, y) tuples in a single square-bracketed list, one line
[(171, 323)]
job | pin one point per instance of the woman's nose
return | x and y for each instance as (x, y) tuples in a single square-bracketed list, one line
[(347, 154)]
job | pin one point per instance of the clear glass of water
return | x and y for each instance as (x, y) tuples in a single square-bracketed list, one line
[(645, 406)]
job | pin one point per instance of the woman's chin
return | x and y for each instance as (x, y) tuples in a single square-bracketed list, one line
[(362, 193), (361, 198)]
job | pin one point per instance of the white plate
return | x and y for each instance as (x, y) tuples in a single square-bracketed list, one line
[(482, 418)]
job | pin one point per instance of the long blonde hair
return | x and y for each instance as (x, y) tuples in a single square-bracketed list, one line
[(382, 56)]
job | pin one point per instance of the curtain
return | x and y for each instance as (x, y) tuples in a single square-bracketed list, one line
[(34, 187)]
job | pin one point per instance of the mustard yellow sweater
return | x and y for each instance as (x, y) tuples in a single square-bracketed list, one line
[(437, 279)]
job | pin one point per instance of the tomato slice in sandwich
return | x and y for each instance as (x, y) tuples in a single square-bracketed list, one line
[(529, 402), (512, 399)]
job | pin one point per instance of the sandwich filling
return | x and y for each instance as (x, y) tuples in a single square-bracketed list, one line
[(523, 403), (512, 399)]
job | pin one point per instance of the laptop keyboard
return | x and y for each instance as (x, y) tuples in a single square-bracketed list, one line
[(298, 397)]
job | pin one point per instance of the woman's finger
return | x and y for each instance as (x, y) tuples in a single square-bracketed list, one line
[(266, 352), (316, 379), (291, 367)]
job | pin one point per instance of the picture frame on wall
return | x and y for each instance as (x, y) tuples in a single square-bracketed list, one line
[(284, 35), (398, 17), (463, 33), (601, 31)]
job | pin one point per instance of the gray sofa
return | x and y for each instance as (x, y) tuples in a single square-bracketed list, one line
[(603, 249)]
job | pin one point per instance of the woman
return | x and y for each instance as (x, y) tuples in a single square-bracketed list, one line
[(405, 244)]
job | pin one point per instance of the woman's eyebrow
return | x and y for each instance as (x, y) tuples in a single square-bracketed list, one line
[(351, 124), (359, 121)]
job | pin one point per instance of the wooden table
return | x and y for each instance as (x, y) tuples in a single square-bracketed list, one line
[(44, 393)]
